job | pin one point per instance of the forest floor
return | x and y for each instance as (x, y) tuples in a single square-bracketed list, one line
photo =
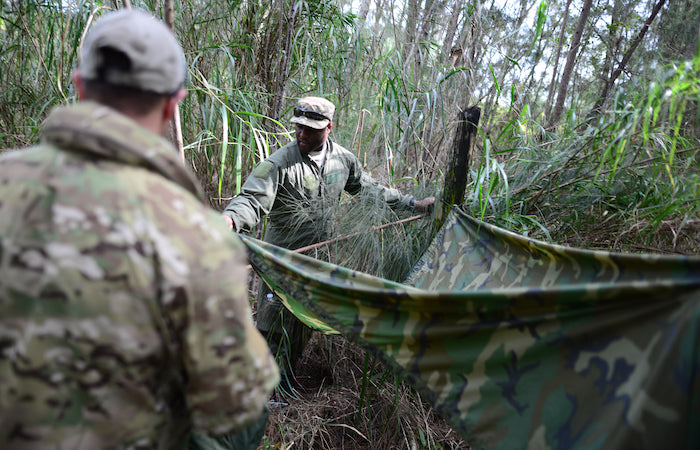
[(348, 406)]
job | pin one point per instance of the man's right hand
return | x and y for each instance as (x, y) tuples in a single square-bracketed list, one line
[(228, 220), (424, 205)]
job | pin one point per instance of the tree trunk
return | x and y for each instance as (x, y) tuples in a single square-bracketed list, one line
[(456, 174), (448, 44), (612, 42), (560, 45), (466, 47), (412, 14), (175, 125), (288, 21), (595, 111), (426, 27), (379, 24), (364, 10), (570, 61)]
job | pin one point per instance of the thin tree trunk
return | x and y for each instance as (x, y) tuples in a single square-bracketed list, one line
[(612, 42), (560, 45), (412, 14), (448, 44), (472, 41), (364, 10), (169, 16), (379, 24), (289, 15), (625, 59), (569, 67), (425, 29)]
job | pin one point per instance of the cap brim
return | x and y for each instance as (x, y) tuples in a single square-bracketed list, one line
[(317, 124)]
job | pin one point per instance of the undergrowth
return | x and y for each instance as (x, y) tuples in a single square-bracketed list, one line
[(356, 403), (626, 181)]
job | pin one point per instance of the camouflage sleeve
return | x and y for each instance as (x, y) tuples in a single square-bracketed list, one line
[(256, 198), (358, 179), (230, 370)]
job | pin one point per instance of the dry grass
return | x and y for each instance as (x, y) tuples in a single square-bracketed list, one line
[(339, 413), (673, 235)]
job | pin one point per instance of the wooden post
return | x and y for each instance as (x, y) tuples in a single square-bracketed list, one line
[(458, 168)]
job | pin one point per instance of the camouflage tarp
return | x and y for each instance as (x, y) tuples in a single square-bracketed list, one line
[(522, 344)]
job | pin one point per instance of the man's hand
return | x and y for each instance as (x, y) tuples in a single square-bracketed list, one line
[(228, 220), (424, 205)]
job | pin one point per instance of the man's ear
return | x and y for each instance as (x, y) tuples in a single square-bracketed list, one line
[(171, 103), (79, 83), (330, 126)]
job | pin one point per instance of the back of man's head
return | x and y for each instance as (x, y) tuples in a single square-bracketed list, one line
[(130, 57)]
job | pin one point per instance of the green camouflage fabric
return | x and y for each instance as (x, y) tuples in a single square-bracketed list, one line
[(523, 344), (121, 326), (299, 198)]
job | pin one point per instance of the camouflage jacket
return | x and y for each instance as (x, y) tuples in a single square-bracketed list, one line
[(299, 197), (124, 320)]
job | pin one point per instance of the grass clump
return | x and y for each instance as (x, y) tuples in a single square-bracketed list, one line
[(355, 403)]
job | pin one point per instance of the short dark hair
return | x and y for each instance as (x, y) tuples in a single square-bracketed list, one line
[(123, 98)]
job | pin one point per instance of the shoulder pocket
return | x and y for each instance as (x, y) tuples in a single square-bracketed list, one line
[(263, 169)]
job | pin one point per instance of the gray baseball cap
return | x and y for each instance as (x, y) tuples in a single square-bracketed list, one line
[(150, 57), (314, 112)]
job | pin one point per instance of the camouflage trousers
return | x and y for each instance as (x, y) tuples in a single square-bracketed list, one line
[(286, 335)]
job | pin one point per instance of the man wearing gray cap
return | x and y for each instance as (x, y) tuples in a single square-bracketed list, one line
[(115, 330), (297, 187)]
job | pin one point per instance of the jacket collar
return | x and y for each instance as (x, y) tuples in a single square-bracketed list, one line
[(91, 128)]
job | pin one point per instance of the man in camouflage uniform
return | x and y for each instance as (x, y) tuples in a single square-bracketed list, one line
[(298, 187), (120, 327)]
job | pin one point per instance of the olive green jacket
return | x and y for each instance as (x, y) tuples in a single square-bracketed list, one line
[(299, 198), (124, 319)]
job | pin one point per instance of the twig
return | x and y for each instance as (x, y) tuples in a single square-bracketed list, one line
[(342, 238)]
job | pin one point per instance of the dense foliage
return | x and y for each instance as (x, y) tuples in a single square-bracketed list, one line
[(399, 73)]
